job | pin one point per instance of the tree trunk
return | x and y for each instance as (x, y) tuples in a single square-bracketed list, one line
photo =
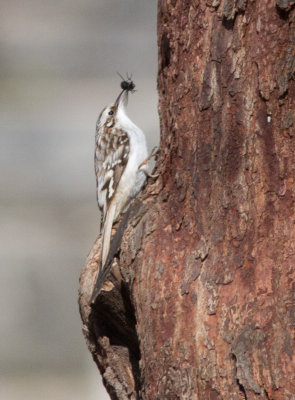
[(205, 305)]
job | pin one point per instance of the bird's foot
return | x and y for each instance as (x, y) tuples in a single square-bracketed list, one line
[(144, 164)]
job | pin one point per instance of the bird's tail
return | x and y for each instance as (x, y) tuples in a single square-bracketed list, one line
[(107, 231)]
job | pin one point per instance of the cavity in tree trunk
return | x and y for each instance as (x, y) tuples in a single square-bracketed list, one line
[(200, 303)]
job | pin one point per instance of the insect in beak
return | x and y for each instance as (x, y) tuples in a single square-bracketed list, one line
[(128, 86)]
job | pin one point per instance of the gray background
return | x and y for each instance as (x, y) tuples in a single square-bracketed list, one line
[(58, 64)]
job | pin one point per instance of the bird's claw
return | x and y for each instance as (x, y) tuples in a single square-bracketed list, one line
[(154, 152), (154, 176)]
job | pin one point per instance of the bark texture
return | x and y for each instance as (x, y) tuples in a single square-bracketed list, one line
[(201, 300)]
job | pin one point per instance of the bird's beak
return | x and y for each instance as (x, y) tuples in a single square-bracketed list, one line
[(122, 99)]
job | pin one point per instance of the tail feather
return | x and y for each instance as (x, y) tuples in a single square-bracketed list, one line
[(107, 231)]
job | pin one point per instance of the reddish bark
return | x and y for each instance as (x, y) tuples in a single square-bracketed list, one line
[(205, 308)]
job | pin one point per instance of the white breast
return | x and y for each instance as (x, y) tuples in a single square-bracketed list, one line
[(132, 179)]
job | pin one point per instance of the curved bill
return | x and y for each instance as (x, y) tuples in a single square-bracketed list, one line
[(122, 99)]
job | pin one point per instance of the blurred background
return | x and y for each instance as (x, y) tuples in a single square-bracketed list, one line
[(58, 64)]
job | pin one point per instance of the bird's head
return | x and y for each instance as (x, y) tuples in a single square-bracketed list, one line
[(109, 115)]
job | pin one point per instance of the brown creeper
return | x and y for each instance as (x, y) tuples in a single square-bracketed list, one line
[(120, 163)]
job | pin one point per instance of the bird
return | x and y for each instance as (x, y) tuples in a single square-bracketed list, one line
[(121, 163)]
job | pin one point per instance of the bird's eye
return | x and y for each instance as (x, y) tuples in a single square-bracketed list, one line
[(111, 112)]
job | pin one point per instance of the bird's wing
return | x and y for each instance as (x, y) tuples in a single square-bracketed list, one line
[(111, 157)]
